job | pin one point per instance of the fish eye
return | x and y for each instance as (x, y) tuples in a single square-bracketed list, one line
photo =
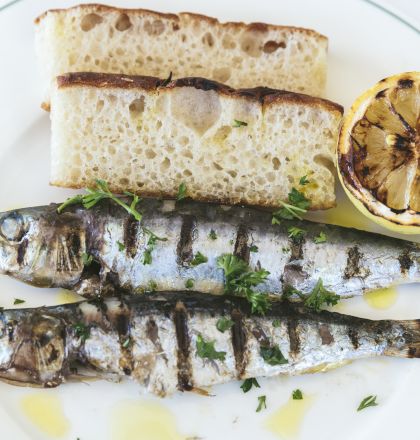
[(12, 227)]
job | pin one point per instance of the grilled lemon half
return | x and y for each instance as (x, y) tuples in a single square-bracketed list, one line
[(378, 154)]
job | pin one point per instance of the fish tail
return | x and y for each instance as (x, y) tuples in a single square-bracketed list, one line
[(405, 339)]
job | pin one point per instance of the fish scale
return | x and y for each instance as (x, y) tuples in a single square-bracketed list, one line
[(41, 247)]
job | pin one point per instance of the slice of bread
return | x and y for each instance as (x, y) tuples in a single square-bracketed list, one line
[(97, 38), (140, 134)]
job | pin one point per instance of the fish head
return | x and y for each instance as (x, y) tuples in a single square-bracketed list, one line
[(41, 247), (32, 348)]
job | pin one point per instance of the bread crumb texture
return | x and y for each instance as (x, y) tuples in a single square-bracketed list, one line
[(148, 141), (90, 38)]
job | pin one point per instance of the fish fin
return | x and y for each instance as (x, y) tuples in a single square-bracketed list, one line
[(407, 342)]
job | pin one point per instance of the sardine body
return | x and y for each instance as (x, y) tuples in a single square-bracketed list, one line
[(154, 340), (42, 247)]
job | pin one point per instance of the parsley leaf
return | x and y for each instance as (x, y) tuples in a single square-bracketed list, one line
[(121, 246), (206, 350), (152, 286), (261, 403), (18, 301), (151, 244), (276, 323), (249, 383), (126, 343), (87, 259), (224, 324), (298, 204), (366, 402), (272, 355), (319, 296), (99, 193), (81, 331), (240, 280), (289, 291), (322, 238), (253, 248), (238, 124), (297, 395), (198, 259), (303, 181), (213, 235), (295, 232), (189, 284), (182, 192)]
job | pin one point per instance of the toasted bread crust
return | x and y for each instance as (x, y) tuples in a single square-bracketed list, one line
[(256, 27), (264, 95)]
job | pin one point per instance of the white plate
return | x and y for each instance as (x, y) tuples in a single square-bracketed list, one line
[(366, 44)]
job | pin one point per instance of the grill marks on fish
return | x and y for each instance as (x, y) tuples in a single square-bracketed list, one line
[(354, 337), (239, 340), (293, 273), (183, 353), (293, 331), (242, 249), (325, 333), (130, 234), (354, 264), (186, 238), (406, 261)]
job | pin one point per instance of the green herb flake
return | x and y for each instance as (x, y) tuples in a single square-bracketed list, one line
[(18, 301), (213, 235), (366, 402), (81, 331), (285, 250), (322, 238), (272, 355), (224, 324), (253, 248), (198, 259), (276, 323), (100, 192), (261, 403), (121, 246), (237, 123), (297, 395), (303, 181), (206, 350), (151, 244), (182, 192), (87, 259), (249, 383), (231, 242), (240, 280), (295, 232), (166, 81), (189, 284), (289, 291), (320, 296), (126, 343), (298, 205), (152, 286)]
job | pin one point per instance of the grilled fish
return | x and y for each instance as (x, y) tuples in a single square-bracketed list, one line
[(44, 248), (172, 342)]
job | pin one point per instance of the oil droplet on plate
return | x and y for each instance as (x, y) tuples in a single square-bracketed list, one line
[(382, 298), (139, 420), (286, 421), (67, 296), (44, 410)]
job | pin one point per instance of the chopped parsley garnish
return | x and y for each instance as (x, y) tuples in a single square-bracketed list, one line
[(126, 343), (298, 204), (297, 395), (99, 193), (261, 403), (231, 241), (249, 383), (189, 284), (121, 246), (240, 280), (366, 402), (272, 355), (253, 248), (166, 81), (276, 323), (81, 331), (87, 259), (320, 296), (289, 291), (295, 232), (18, 301), (238, 124), (182, 192), (285, 250), (224, 324), (206, 350), (151, 244), (152, 286), (303, 181), (322, 238), (213, 235), (198, 259)]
